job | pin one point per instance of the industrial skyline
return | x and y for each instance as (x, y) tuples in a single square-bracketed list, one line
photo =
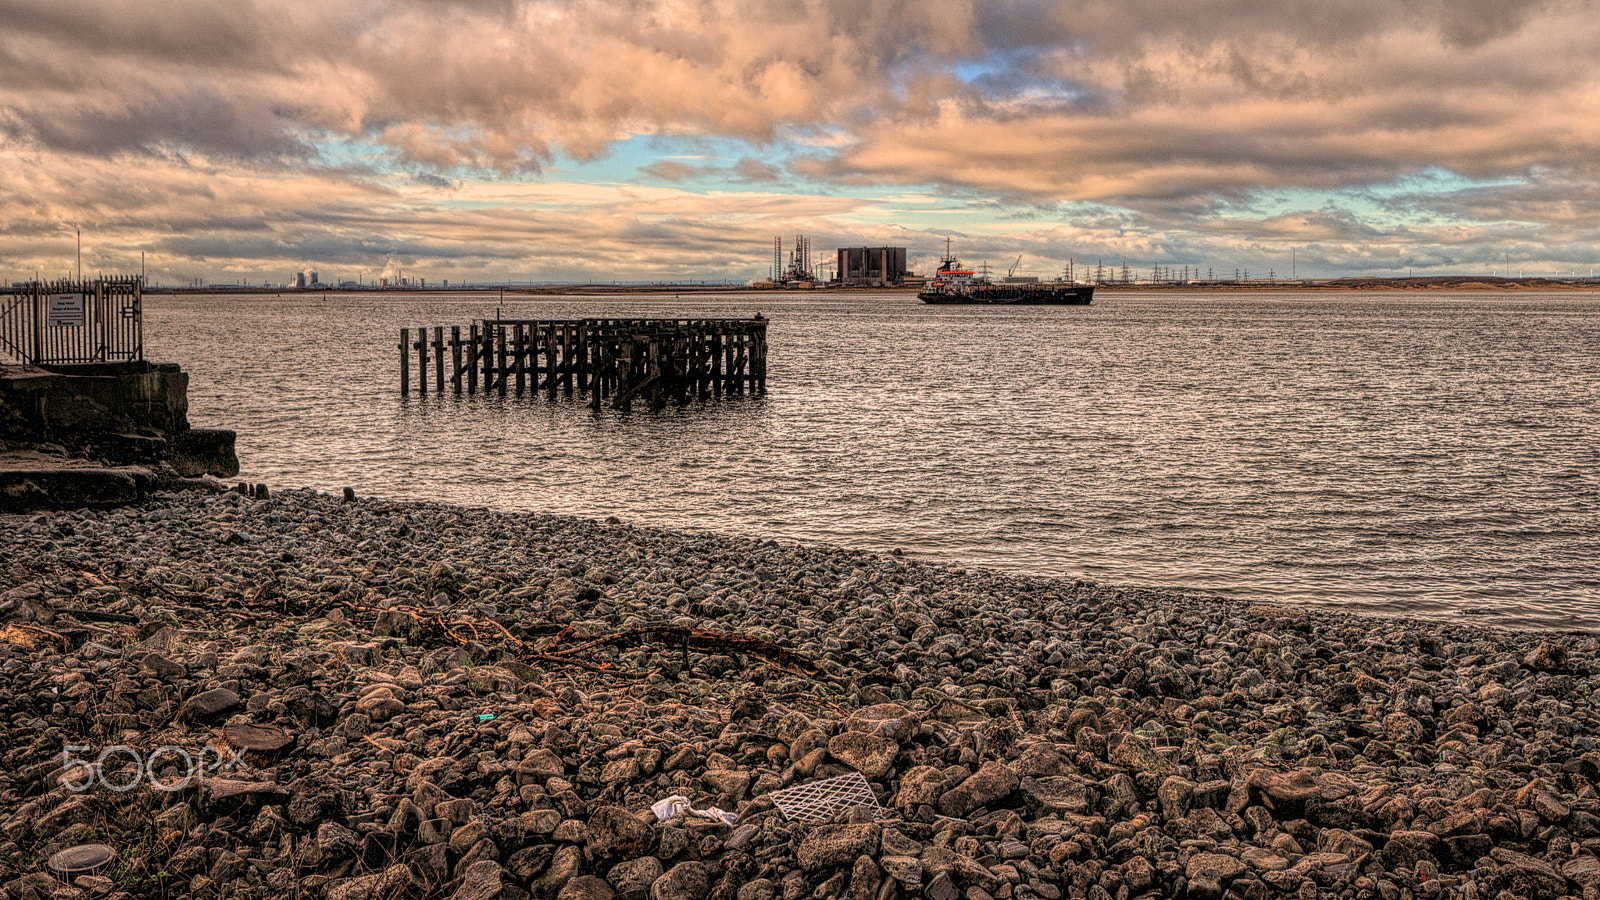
[(543, 141)]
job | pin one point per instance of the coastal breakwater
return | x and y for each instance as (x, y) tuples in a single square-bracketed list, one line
[(612, 360), (465, 703)]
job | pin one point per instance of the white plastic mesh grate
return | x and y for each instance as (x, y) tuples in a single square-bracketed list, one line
[(820, 801)]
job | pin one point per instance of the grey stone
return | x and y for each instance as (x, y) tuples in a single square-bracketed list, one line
[(1058, 794), (1283, 792), (870, 754), (993, 781), (632, 879), (1220, 867), (209, 704), (335, 841), (541, 821), (586, 887), (826, 846), (689, 880), (942, 888), (380, 705), (481, 881), (1130, 752), (731, 782), (312, 800), (865, 877), (565, 865), (162, 667), (1585, 870), (616, 833), (1525, 875), (758, 889), (741, 837), (371, 887), (467, 836), (924, 785), (889, 720), (1176, 795), (538, 766), (905, 869)]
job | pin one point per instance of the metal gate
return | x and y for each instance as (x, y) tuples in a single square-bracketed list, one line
[(67, 322)]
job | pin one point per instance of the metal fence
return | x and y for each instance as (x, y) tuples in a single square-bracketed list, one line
[(67, 322)]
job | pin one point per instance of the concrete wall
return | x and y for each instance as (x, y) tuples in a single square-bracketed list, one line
[(123, 413), (66, 403)]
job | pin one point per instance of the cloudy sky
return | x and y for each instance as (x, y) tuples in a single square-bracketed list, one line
[(490, 140)]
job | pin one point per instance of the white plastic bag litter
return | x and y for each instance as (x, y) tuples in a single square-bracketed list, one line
[(677, 803)]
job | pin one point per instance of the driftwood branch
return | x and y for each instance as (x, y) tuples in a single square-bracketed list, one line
[(676, 636), (95, 615)]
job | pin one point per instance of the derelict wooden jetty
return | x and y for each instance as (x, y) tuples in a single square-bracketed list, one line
[(611, 360)]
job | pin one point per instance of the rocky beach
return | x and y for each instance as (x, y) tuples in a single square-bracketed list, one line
[(297, 694)]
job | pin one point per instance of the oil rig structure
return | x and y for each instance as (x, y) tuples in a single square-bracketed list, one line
[(799, 271)]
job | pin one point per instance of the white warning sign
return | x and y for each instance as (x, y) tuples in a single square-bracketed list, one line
[(64, 309)]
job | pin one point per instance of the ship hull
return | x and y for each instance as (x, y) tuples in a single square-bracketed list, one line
[(999, 295)]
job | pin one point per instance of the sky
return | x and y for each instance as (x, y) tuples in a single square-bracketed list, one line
[(241, 141)]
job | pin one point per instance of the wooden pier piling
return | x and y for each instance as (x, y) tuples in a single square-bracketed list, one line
[(455, 357), (405, 361), (612, 360)]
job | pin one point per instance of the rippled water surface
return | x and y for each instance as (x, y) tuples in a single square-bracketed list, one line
[(1419, 454)]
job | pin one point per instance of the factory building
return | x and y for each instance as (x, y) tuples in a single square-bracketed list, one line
[(871, 266)]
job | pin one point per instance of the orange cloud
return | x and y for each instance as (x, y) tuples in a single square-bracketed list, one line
[(298, 124)]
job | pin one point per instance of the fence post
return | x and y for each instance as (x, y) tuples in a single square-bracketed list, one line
[(38, 323), (138, 317), (101, 301)]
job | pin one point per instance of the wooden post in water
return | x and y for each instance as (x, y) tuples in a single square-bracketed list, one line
[(422, 361), (693, 373), (586, 380), (760, 338), (716, 363), (455, 358), (405, 362), (569, 349), (551, 370), (472, 359), (703, 365), (574, 358), (503, 371), (656, 374), (625, 376), (486, 357), (593, 363), (519, 345), (438, 357), (530, 358)]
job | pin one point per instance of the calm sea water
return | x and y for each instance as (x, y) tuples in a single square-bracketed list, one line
[(1417, 454)]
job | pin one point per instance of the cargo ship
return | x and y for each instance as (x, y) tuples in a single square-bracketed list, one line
[(954, 284)]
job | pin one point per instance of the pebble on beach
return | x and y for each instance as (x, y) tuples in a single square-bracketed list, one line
[(431, 701)]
